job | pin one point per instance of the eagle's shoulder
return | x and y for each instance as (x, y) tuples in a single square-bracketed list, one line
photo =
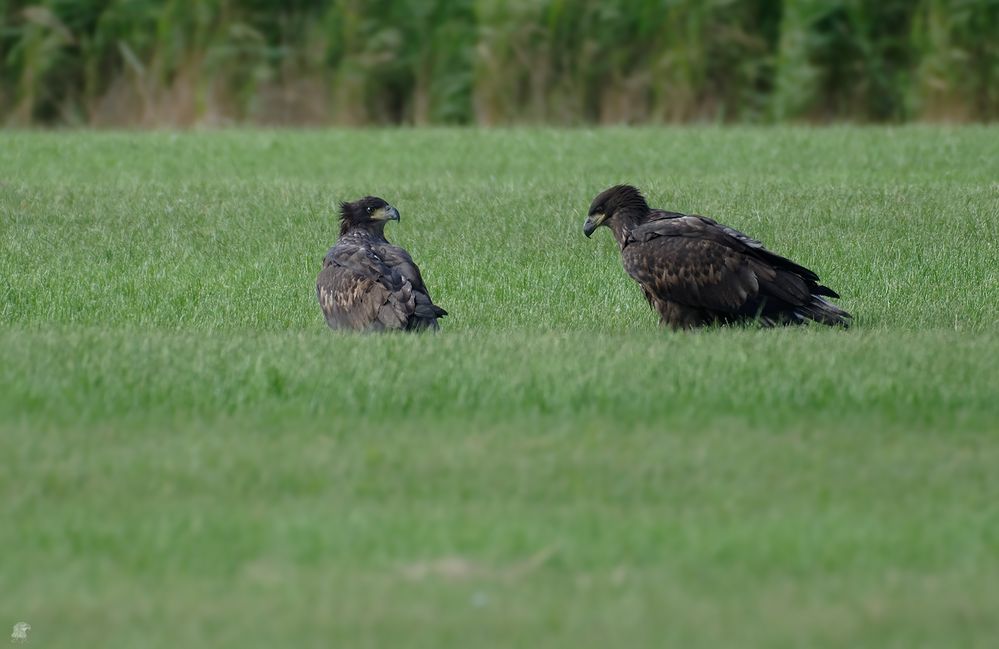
[(392, 254), (343, 246), (364, 257), (401, 263), (661, 223), (693, 226)]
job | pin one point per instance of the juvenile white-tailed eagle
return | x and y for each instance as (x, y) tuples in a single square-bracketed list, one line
[(367, 284), (697, 272)]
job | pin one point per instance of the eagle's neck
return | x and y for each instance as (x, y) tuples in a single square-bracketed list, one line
[(624, 222), (372, 230)]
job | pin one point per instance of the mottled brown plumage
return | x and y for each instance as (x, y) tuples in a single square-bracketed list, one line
[(697, 272), (368, 284)]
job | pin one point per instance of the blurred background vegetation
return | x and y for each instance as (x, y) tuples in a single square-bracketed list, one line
[(187, 62)]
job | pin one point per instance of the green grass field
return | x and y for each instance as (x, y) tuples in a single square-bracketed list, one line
[(191, 458)]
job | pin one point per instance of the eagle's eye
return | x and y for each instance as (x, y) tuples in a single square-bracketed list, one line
[(368, 209)]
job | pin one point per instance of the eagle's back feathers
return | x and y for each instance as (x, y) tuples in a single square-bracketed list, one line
[(695, 271), (367, 284)]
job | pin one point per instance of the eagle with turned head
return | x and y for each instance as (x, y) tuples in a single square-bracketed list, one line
[(696, 272), (366, 283)]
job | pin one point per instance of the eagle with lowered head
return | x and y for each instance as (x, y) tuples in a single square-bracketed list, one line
[(696, 272), (366, 283)]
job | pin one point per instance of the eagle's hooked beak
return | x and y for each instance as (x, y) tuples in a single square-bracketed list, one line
[(592, 222), (387, 213)]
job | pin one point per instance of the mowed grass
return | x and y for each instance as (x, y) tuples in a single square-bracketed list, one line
[(190, 458)]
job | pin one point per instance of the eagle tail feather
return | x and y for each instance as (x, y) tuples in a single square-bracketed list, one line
[(429, 311), (819, 289), (824, 312)]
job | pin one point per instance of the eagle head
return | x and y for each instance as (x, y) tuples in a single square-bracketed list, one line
[(366, 212), (611, 203)]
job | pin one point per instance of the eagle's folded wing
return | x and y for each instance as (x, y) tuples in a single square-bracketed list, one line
[(695, 272), (695, 262), (357, 290), (362, 260)]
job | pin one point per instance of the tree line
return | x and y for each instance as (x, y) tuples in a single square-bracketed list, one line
[(492, 62)]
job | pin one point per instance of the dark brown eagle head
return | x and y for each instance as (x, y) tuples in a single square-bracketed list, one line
[(614, 207), (369, 213)]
